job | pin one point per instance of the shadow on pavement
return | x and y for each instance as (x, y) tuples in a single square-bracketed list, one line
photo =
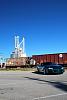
[(36, 72), (59, 85), (40, 73)]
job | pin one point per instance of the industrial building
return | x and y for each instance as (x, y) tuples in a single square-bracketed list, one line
[(18, 56)]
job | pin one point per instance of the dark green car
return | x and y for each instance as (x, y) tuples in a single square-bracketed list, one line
[(49, 68)]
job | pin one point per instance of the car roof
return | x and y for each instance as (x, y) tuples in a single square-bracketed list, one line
[(48, 63)]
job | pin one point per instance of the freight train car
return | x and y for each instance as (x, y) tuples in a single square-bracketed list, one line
[(14, 62), (20, 62), (59, 58)]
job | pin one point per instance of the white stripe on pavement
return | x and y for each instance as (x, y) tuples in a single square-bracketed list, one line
[(49, 96), (9, 84)]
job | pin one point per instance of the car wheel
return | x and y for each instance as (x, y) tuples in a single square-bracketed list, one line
[(38, 70), (44, 71)]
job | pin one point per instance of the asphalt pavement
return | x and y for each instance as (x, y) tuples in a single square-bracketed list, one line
[(28, 85)]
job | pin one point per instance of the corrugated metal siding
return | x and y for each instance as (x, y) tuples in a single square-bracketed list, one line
[(56, 58), (60, 58), (65, 58), (52, 58), (44, 58), (48, 58)]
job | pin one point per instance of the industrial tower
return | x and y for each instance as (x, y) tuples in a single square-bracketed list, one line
[(19, 48)]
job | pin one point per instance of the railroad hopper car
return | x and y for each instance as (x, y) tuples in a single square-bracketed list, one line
[(59, 58)]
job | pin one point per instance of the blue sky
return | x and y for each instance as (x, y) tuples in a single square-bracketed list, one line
[(43, 23)]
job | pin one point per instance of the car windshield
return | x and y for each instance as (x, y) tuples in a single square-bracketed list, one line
[(40, 66), (56, 67)]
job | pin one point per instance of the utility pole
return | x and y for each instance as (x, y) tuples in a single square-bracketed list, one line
[(1, 60)]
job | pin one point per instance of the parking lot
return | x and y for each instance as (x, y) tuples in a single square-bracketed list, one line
[(28, 85)]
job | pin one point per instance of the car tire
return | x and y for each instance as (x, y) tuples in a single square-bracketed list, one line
[(38, 70), (44, 71)]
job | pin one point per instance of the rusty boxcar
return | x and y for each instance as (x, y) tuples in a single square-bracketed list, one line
[(59, 58)]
